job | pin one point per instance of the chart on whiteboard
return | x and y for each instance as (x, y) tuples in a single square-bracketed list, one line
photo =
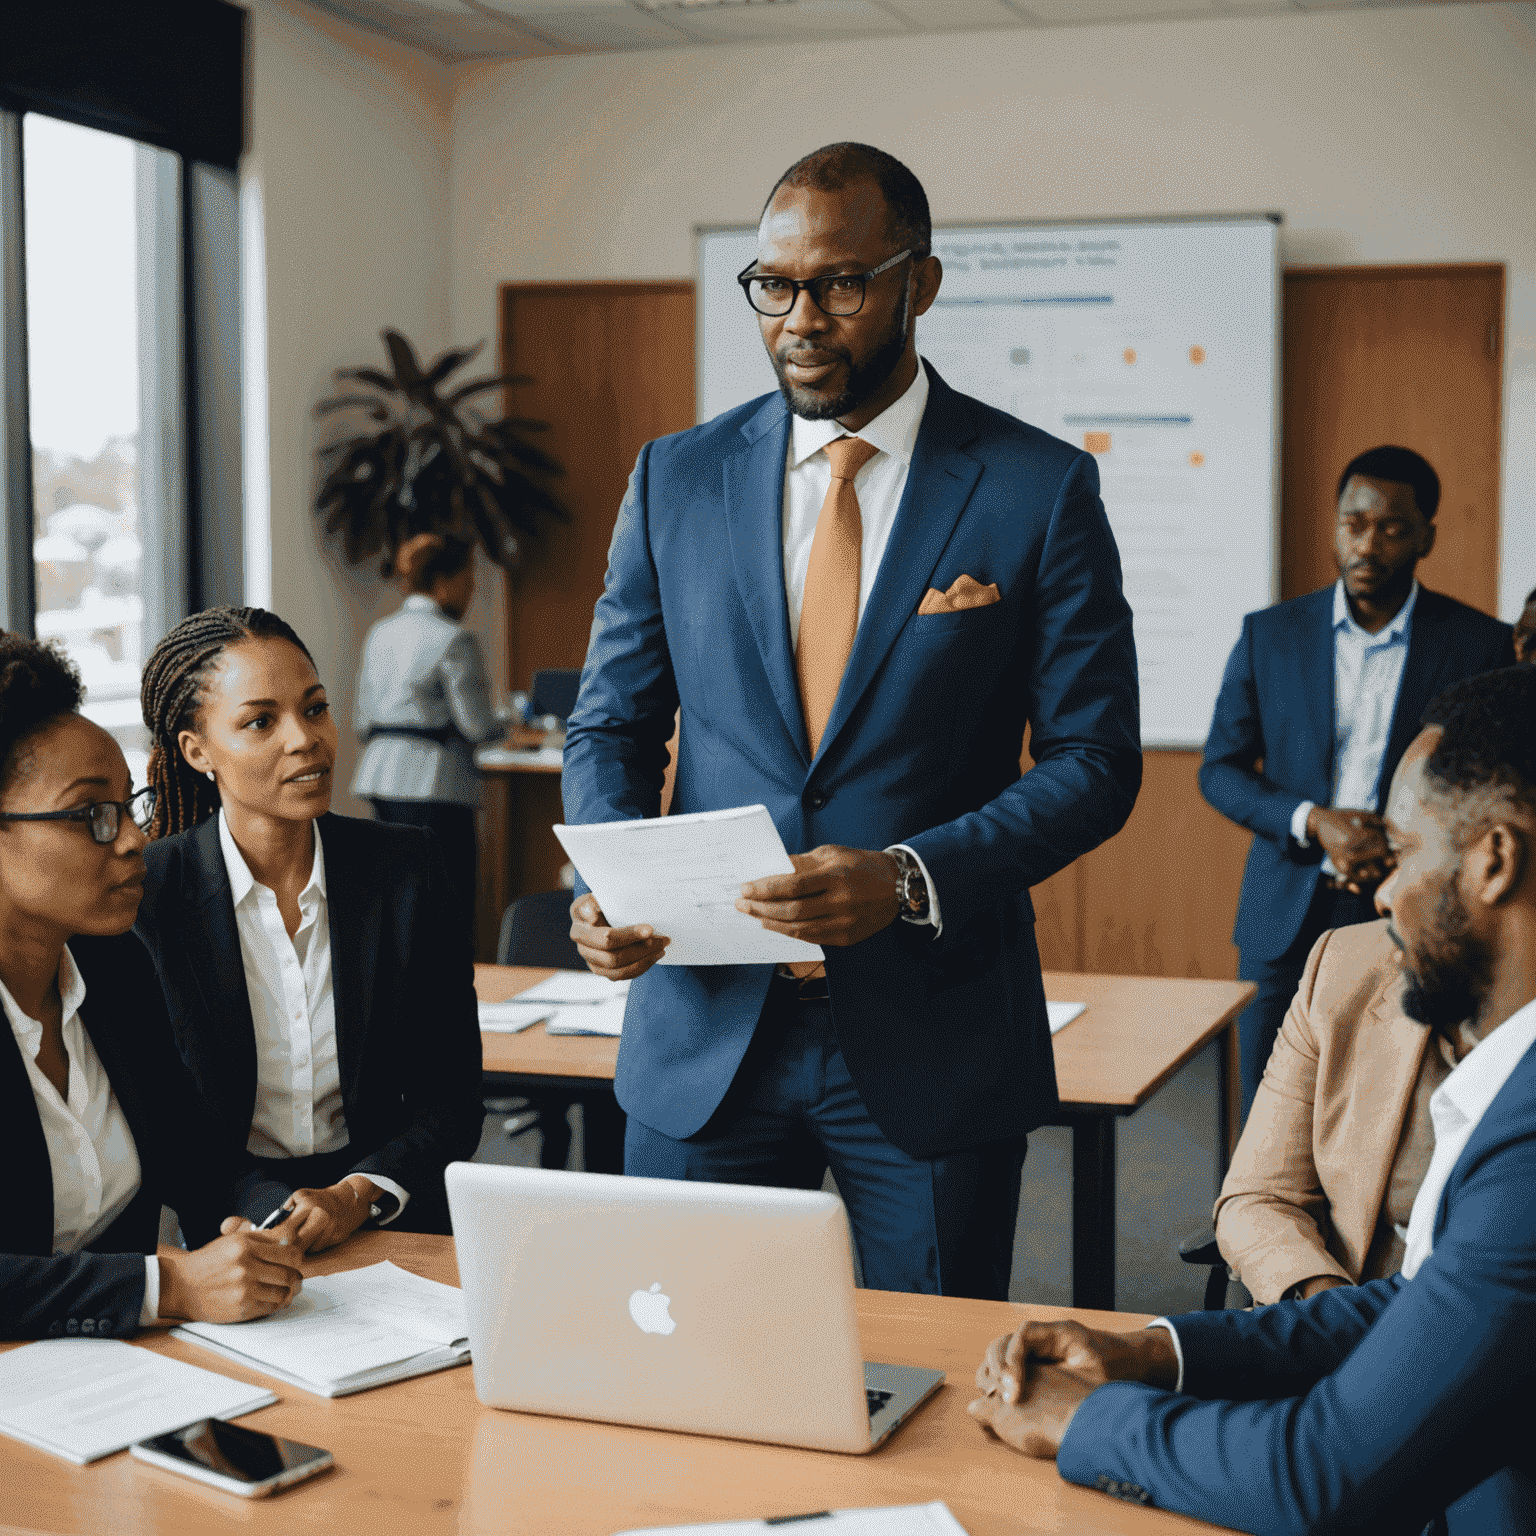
[(1151, 347)]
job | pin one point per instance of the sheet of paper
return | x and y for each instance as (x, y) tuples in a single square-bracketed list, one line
[(1062, 1014), (897, 1520), (604, 1018), (683, 875), (342, 1325), (511, 1017), (84, 1398), (573, 987)]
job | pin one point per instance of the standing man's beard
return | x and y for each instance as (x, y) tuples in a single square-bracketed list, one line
[(1446, 982), (862, 380)]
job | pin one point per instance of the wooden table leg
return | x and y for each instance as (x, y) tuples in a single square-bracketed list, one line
[(1093, 1211)]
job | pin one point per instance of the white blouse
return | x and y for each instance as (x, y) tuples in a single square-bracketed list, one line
[(91, 1152)]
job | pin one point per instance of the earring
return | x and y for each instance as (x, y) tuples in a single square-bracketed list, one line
[(210, 776)]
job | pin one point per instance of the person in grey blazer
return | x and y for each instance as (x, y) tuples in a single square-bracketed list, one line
[(423, 705)]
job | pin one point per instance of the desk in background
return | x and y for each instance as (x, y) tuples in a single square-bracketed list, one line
[(518, 853), (423, 1458), (1137, 1033)]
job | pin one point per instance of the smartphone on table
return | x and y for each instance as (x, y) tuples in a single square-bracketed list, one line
[(234, 1458)]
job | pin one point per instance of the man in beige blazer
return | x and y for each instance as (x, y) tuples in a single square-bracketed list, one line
[(1339, 1137)]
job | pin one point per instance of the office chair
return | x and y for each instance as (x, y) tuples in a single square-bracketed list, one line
[(536, 930), (1222, 1289), (553, 692)]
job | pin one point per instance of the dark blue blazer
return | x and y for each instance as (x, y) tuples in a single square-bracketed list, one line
[(1276, 708), (946, 1038), (1368, 1408), (402, 973), (46, 1295)]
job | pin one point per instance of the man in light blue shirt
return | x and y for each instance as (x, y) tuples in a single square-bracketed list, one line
[(1320, 699)]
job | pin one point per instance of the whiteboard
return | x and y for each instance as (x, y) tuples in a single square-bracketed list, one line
[(1152, 345)]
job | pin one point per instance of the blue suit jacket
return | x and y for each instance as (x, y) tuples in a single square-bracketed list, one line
[(1276, 706), (1368, 1408), (946, 1038)]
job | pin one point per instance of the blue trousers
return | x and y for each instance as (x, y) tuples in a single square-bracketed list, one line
[(939, 1226), (1277, 979)]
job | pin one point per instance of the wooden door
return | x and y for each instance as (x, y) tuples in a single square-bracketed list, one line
[(1404, 355), (610, 367), (1372, 355)]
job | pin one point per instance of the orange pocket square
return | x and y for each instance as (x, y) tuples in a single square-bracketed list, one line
[(967, 592)]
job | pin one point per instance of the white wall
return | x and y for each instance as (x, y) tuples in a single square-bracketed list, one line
[(1382, 136), (345, 194)]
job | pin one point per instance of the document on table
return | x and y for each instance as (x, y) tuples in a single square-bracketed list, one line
[(85, 1398), (683, 875), (1062, 1014), (897, 1520), (573, 1002), (349, 1331)]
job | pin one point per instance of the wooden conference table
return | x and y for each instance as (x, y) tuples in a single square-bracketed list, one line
[(1137, 1033), (423, 1458)]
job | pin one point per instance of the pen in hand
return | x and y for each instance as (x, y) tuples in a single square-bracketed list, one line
[(276, 1219)]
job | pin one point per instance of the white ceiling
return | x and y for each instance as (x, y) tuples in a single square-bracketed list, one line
[(456, 30)]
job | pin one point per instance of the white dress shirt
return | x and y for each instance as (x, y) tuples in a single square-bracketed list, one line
[(1367, 673), (299, 1110), (91, 1152), (1456, 1109), (879, 485)]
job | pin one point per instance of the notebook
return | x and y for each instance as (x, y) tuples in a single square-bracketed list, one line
[(897, 1520), (86, 1398), (344, 1333)]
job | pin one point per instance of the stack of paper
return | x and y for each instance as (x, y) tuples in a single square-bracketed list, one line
[(84, 1398), (1062, 1014), (573, 1003), (349, 1331)]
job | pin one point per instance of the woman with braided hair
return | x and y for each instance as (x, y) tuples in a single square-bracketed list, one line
[(423, 705), (320, 986), (99, 1123)]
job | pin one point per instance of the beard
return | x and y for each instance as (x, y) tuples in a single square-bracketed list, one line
[(863, 378), (1447, 980)]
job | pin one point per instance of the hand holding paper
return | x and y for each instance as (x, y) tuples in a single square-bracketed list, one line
[(681, 876)]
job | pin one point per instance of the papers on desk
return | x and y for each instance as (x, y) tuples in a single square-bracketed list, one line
[(85, 1398), (1062, 1014), (683, 875), (346, 1332), (514, 757), (573, 1003), (898, 1520)]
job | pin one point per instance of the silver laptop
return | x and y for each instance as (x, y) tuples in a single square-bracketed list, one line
[(719, 1309)]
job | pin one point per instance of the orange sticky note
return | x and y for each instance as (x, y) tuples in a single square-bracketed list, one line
[(1129, 354), (1197, 458), (1095, 442), (1197, 355)]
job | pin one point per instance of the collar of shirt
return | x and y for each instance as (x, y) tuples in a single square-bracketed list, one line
[(29, 1031), (419, 602), (242, 882), (1463, 1098), (1345, 620), (893, 431)]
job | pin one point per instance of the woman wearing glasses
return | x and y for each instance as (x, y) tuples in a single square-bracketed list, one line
[(321, 990), (99, 1123)]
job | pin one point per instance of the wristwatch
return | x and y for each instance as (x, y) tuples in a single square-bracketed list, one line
[(911, 886)]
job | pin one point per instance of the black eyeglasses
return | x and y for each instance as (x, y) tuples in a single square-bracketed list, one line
[(838, 293), (104, 816)]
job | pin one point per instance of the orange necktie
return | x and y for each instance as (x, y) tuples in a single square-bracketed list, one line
[(829, 610)]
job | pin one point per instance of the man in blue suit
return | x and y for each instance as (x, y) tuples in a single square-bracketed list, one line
[(1321, 696), (861, 593), (1403, 1405)]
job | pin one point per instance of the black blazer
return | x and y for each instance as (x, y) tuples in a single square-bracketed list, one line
[(402, 970), (1276, 706), (101, 1291)]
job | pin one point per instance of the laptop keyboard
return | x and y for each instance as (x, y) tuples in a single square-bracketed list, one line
[(877, 1399)]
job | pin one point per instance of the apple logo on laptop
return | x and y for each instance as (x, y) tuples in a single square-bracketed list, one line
[(649, 1310)]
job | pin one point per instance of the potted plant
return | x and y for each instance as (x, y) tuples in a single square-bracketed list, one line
[(418, 456)]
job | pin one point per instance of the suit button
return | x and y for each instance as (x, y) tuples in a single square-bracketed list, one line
[(88, 1325), (72, 1326), (817, 801), (103, 1325), (55, 1328)]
